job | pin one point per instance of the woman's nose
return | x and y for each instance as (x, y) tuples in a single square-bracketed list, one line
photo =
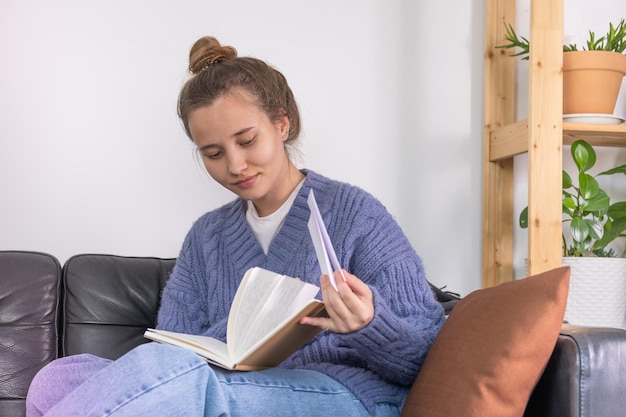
[(236, 162)]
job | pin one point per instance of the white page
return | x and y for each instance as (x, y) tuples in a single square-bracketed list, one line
[(208, 347), (248, 303), (324, 250), (288, 296)]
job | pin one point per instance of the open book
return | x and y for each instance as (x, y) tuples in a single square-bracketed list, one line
[(264, 320), (263, 323)]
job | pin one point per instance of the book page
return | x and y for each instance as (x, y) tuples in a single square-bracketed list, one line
[(254, 289), (326, 256), (287, 296), (283, 341), (211, 349)]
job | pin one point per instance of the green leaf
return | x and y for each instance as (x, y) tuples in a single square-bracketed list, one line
[(583, 155), (617, 210), (569, 203), (515, 41), (599, 203), (617, 228), (589, 186), (585, 246), (581, 248), (596, 229), (580, 229), (523, 218), (617, 170), (567, 181)]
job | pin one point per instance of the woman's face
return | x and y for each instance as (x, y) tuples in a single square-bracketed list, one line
[(243, 150)]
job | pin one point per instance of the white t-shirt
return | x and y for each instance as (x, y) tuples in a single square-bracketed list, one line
[(265, 228)]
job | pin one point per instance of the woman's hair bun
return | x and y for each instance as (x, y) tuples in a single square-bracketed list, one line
[(206, 51)]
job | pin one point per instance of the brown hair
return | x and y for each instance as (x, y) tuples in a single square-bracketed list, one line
[(217, 71)]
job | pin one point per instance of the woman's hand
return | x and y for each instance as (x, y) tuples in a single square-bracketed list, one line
[(349, 309)]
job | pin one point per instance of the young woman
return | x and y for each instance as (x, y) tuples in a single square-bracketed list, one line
[(382, 320)]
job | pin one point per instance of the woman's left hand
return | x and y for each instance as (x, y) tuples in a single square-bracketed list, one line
[(349, 309)]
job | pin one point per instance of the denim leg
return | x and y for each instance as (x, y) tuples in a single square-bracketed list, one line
[(163, 381), (285, 392), (152, 379), (57, 379)]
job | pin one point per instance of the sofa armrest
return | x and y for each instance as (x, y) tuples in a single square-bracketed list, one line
[(585, 376), (29, 312)]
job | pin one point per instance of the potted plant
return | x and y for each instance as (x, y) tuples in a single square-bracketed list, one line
[(598, 274), (592, 76)]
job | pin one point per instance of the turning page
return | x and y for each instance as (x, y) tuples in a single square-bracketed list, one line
[(324, 250), (266, 301)]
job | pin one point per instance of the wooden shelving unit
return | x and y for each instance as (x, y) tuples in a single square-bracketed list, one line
[(508, 141), (542, 136)]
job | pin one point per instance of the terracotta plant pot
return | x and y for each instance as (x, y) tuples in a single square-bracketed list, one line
[(592, 81)]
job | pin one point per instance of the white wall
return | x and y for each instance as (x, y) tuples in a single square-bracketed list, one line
[(578, 20), (93, 157)]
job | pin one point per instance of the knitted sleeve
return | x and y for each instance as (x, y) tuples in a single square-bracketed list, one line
[(393, 346), (407, 318)]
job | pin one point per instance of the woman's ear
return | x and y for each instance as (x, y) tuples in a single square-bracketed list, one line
[(283, 126)]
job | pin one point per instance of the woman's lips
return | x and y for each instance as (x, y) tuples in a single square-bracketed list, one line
[(246, 182)]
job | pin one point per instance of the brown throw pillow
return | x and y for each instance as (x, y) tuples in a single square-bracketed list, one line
[(492, 350)]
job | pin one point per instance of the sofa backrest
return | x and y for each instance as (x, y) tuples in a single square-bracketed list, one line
[(29, 311), (109, 301)]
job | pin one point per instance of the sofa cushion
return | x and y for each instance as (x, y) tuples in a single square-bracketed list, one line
[(29, 310), (110, 301), (492, 349)]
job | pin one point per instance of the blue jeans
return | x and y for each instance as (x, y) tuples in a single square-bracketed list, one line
[(159, 380)]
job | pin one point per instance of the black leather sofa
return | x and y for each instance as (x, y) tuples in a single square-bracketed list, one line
[(101, 304)]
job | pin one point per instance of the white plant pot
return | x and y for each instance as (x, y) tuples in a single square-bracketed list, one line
[(597, 292)]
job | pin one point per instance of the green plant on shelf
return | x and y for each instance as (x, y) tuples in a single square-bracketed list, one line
[(614, 40), (594, 222)]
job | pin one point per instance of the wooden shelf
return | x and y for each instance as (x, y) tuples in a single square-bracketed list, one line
[(597, 135), (543, 137), (508, 141)]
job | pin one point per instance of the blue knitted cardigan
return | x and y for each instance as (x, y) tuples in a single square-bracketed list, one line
[(377, 363)]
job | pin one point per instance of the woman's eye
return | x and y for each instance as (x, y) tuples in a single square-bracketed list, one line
[(213, 155), (248, 142)]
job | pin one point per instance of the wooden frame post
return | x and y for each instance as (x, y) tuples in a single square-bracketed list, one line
[(499, 110), (545, 136)]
